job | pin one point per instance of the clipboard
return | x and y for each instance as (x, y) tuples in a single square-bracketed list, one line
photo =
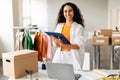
[(61, 36)]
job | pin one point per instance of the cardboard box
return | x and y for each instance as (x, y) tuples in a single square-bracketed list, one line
[(115, 40), (15, 63), (106, 32), (115, 34), (101, 40)]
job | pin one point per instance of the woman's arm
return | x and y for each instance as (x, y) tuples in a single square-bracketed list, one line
[(71, 46), (59, 43)]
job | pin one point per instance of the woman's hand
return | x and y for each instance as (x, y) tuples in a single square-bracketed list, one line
[(57, 41)]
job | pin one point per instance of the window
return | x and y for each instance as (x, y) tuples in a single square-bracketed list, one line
[(26, 4), (34, 12)]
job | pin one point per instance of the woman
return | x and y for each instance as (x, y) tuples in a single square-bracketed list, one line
[(71, 24)]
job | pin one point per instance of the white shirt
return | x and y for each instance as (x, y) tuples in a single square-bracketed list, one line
[(75, 56)]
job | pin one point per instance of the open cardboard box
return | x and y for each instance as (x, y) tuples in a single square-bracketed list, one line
[(106, 32)]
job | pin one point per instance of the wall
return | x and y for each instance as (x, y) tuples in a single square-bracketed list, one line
[(95, 12), (6, 24), (44, 13), (39, 12), (17, 12), (114, 3), (114, 13)]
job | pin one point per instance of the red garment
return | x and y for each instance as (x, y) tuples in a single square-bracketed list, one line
[(38, 44)]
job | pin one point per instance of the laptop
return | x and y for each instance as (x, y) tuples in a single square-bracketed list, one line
[(61, 71)]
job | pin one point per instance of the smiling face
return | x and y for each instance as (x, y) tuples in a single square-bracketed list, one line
[(68, 13)]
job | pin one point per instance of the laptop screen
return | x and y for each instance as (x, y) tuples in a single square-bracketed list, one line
[(60, 71)]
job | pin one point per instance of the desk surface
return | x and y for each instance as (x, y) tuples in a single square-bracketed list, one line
[(86, 75), (97, 74), (41, 75)]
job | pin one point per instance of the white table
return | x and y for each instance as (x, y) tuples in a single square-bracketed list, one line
[(86, 75), (41, 75), (97, 74)]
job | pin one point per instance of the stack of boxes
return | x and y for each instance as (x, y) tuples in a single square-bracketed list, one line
[(106, 37), (115, 38)]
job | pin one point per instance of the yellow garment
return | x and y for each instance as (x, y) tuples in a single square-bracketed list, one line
[(66, 33)]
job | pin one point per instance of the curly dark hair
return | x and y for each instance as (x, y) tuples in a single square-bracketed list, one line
[(77, 14)]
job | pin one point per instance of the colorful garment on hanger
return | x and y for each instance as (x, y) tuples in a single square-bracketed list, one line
[(49, 47), (24, 41), (43, 44), (17, 43), (38, 45), (18, 39), (27, 40)]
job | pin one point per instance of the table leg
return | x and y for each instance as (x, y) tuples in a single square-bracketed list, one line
[(112, 58), (96, 57), (119, 62)]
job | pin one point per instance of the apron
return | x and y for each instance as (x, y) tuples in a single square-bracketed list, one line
[(66, 57)]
